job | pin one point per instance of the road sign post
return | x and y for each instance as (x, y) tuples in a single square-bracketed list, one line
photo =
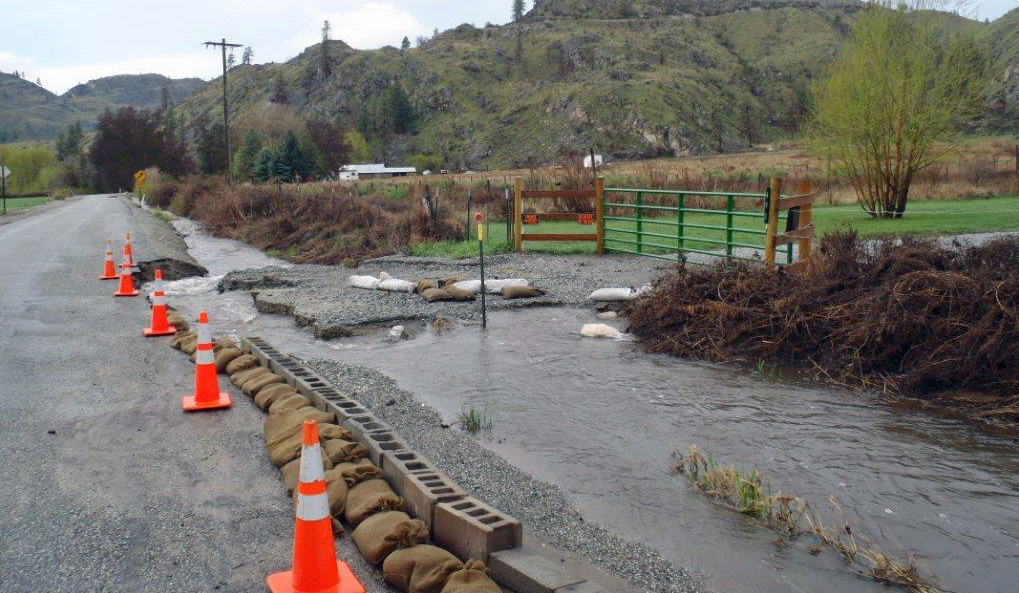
[(4, 172), (481, 261)]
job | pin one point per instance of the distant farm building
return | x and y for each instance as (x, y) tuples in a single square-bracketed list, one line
[(598, 161), (355, 172)]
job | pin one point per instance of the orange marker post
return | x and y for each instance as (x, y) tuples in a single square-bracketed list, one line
[(316, 569), (160, 325), (109, 268), (207, 394)]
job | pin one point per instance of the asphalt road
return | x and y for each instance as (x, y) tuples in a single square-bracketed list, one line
[(105, 484)]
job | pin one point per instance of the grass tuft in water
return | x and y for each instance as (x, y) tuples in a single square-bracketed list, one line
[(746, 491), (473, 420)]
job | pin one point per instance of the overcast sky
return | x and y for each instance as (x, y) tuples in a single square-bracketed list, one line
[(64, 42)]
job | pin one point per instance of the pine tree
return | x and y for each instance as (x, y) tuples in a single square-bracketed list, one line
[(326, 63), (399, 111), (245, 159), (231, 61), (247, 56), (518, 10), (406, 44), (279, 89)]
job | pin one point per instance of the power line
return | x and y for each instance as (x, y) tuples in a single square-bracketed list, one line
[(222, 44)]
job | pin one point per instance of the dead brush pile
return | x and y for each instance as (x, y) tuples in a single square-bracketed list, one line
[(309, 224), (909, 317)]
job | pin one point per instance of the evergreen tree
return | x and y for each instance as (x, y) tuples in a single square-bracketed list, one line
[(297, 164), (325, 60), (399, 111), (245, 159), (279, 89), (263, 169), (247, 56), (211, 147), (406, 44), (518, 9)]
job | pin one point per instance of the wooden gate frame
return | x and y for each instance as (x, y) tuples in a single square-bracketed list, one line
[(596, 193), (804, 231)]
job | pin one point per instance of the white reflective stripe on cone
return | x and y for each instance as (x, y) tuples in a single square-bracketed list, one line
[(204, 334), (158, 286), (205, 357), (312, 507), (158, 299), (311, 464)]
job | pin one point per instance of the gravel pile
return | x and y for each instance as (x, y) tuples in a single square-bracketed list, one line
[(542, 508), (319, 296)]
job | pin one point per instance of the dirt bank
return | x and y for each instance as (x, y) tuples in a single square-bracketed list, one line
[(910, 317), (320, 296)]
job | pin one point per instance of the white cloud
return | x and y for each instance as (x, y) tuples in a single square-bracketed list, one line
[(369, 26), (10, 62)]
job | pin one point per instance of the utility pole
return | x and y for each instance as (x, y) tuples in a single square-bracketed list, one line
[(226, 108)]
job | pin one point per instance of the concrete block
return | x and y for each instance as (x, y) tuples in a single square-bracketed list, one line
[(382, 441), (526, 570), (362, 424), (423, 489), (471, 529), (397, 462)]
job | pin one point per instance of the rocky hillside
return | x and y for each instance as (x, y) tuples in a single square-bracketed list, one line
[(30, 112)]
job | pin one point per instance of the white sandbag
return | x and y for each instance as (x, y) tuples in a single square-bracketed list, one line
[(474, 286), (612, 295), (367, 282), (607, 315), (394, 285), (496, 286), (600, 330), (385, 276)]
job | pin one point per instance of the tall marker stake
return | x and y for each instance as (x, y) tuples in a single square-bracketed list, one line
[(481, 259)]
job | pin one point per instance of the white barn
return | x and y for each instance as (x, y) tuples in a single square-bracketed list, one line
[(355, 172)]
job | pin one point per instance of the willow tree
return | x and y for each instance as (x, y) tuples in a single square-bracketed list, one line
[(893, 100)]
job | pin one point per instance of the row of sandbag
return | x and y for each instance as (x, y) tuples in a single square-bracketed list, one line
[(384, 534), (455, 289)]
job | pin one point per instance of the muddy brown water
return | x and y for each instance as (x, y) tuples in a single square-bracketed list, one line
[(600, 419)]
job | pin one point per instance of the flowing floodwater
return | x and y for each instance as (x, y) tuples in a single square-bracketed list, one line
[(600, 419)]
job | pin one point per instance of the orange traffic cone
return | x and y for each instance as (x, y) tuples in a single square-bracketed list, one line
[(126, 282), (110, 269), (128, 252), (159, 326), (207, 394), (316, 569)]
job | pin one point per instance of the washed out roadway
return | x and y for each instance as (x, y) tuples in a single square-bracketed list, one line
[(105, 484)]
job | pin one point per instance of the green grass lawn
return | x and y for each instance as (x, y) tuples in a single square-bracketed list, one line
[(20, 203), (922, 218)]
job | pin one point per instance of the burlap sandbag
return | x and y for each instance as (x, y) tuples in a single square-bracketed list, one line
[(291, 472), (368, 498), (449, 281), (189, 344), (380, 535), (459, 294), (336, 491), (180, 337), (434, 295), (225, 357), (473, 578), (426, 283), (223, 344), (355, 473), (177, 320), (521, 292), (272, 393), (290, 402), (340, 451), (246, 375), (242, 362), (330, 432), (421, 569), (284, 431), (252, 386)]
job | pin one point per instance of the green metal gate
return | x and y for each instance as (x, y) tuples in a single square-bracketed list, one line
[(663, 224)]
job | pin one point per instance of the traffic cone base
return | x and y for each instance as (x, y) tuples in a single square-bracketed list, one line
[(191, 404), (283, 582), (151, 333), (125, 294)]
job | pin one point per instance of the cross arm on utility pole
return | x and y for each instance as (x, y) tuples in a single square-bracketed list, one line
[(226, 108)]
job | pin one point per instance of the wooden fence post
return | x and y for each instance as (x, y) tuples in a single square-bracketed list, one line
[(806, 217), (518, 229), (769, 242), (599, 213)]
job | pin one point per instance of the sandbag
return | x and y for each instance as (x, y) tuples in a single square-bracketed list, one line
[(433, 295), (355, 473), (498, 286), (336, 491), (252, 386), (272, 393), (242, 362), (225, 357), (178, 321), (472, 578), (283, 433), (449, 281), (473, 286), (459, 294), (241, 377), (189, 345), (332, 432), (421, 569), (426, 283), (521, 292), (368, 498), (613, 295), (341, 451), (291, 472), (295, 401), (223, 344), (289, 448), (396, 285), (366, 282), (179, 339), (380, 535), (600, 330)]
